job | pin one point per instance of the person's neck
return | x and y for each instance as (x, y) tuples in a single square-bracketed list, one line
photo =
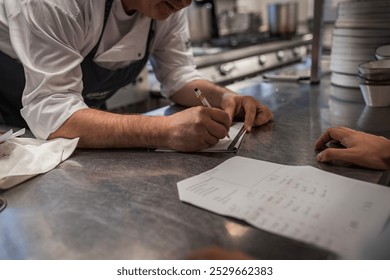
[(128, 7)]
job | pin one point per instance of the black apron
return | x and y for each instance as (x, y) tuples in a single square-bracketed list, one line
[(99, 83)]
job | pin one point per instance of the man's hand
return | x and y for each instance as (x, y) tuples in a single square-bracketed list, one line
[(253, 111), (362, 149), (196, 128)]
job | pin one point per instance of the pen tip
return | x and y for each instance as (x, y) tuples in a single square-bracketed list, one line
[(196, 89)]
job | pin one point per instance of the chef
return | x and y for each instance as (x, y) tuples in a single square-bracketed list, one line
[(60, 60)]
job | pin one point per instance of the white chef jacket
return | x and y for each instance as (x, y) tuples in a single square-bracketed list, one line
[(51, 38)]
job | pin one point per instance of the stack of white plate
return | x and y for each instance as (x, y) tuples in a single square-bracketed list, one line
[(330, 10), (361, 27), (330, 17)]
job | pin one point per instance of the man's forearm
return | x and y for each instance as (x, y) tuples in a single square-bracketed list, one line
[(212, 92), (99, 129)]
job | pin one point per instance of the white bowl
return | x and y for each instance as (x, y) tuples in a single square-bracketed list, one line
[(344, 80), (363, 6), (376, 95), (353, 51), (383, 52), (345, 67), (362, 24), (360, 32), (360, 41), (336, 57)]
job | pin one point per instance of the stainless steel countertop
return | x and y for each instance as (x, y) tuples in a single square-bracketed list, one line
[(123, 203)]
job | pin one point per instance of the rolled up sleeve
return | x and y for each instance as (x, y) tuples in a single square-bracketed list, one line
[(49, 50)]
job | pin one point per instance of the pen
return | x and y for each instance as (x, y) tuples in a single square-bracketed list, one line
[(202, 98), (204, 101)]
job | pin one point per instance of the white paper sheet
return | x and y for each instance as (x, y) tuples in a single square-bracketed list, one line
[(236, 134), (300, 202)]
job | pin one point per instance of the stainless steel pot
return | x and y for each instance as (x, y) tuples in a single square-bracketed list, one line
[(234, 22), (200, 21), (283, 18)]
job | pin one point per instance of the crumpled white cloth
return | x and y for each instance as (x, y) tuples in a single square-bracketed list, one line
[(23, 158)]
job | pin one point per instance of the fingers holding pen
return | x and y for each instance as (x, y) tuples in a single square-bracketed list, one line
[(212, 125), (197, 128), (219, 116), (221, 123), (213, 122)]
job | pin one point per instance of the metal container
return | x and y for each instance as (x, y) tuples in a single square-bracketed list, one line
[(233, 22), (283, 18), (200, 21), (376, 95)]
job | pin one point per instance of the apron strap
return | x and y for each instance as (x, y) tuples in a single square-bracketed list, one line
[(107, 10)]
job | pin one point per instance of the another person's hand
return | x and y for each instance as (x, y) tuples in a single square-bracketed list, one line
[(217, 253), (253, 111), (196, 128), (361, 148)]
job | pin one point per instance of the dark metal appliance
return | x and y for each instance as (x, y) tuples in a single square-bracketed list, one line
[(226, 60)]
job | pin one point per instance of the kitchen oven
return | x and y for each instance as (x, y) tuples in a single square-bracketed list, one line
[(230, 59), (243, 45), (227, 60)]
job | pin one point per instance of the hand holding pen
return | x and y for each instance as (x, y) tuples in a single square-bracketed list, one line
[(204, 101)]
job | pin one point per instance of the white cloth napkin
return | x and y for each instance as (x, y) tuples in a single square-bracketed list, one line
[(23, 158)]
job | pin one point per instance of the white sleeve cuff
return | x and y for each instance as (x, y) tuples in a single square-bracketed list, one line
[(46, 115)]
